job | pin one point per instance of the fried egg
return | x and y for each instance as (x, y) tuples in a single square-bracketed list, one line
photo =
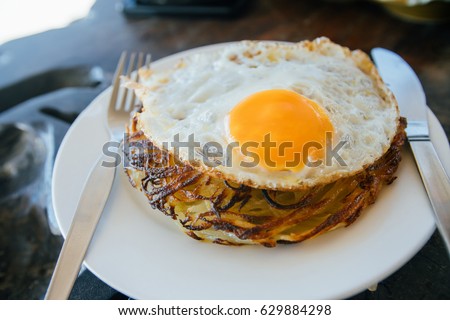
[(279, 116)]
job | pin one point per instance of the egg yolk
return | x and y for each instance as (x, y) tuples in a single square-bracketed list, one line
[(283, 128)]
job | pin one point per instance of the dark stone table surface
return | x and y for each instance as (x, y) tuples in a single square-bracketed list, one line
[(86, 52)]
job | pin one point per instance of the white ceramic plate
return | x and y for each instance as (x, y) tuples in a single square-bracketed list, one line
[(141, 253)]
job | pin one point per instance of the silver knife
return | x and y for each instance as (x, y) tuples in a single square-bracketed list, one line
[(86, 217), (405, 85)]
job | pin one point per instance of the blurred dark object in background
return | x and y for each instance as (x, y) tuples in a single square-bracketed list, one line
[(28, 247), (419, 11), (184, 7), (431, 11), (50, 80)]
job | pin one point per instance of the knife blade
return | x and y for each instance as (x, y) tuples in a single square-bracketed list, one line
[(407, 89), (90, 207)]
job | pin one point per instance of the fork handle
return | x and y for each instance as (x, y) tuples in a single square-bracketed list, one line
[(437, 185), (84, 222)]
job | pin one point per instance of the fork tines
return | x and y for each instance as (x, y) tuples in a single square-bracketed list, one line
[(120, 93)]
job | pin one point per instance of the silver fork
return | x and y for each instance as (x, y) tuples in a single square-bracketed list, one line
[(93, 199)]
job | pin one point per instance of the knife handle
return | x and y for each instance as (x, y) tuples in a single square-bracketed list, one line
[(437, 184), (84, 222)]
